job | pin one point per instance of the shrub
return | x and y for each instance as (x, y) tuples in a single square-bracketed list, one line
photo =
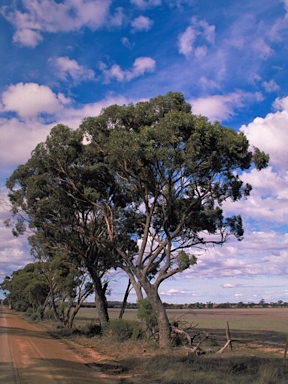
[(121, 329), (91, 329), (35, 316), (146, 314), (49, 314), (29, 311)]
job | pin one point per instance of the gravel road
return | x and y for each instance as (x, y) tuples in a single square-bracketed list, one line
[(28, 355)]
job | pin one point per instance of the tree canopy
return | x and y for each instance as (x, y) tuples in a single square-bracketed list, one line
[(142, 186)]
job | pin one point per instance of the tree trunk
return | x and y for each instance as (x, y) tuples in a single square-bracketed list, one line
[(124, 302), (160, 313), (100, 298)]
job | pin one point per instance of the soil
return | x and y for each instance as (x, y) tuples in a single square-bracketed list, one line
[(37, 358)]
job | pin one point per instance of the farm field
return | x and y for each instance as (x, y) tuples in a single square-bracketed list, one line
[(262, 329), (258, 343), (254, 319)]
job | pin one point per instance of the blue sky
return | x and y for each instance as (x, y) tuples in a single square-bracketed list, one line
[(65, 60)]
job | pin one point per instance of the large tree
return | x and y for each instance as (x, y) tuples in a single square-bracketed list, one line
[(44, 190), (145, 191), (177, 169)]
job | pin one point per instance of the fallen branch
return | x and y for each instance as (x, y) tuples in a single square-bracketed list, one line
[(225, 346)]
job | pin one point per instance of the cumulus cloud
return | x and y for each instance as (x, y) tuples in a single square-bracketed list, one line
[(141, 23), (14, 251), (40, 16), (268, 202), (271, 133), (222, 107), (191, 40), (20, 136), (27, 37), (140, 66), (31, 99), (68, 68)]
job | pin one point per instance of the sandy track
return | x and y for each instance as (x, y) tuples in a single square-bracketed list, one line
[(33, 357)]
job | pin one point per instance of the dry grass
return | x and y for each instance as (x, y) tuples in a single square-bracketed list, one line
[(257, 355)]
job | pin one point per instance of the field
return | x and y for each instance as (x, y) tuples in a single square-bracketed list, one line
[(264, 329), (259, 337), (257, 319)]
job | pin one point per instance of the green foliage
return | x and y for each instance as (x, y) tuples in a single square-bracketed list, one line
[(185, 260), (152, 174), (121, 329), (35, 316), (26, 288), (260, 159), (146, 313)]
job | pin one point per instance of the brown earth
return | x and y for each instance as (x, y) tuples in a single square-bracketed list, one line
[(37, 358)]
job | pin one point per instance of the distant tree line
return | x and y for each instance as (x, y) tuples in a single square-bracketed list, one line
[(138, 189)]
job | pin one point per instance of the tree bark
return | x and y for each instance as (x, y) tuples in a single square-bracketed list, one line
[(100, 297), (160, 313), (124, 303)]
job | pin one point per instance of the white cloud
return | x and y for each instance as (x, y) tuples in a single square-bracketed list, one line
[(14, 252), (141, 23), (281, 104), (187, 41), (40, 16), (67, 67), (143, 4), (222, 107), (270, 134), (27, 37), (259, 254), (31, 99), (126, 42), (19, 137), (270, 86), (228, 285), (260, 46), (117, 19), (140, 66)]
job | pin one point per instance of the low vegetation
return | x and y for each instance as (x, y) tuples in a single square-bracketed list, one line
[(257, 355)]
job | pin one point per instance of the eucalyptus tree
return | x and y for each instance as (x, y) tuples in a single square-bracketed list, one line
[(66, 276), (26, 288), (144, 193), (44, 189), (176, 171)]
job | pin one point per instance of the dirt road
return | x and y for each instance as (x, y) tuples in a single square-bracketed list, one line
[(28, 355)]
